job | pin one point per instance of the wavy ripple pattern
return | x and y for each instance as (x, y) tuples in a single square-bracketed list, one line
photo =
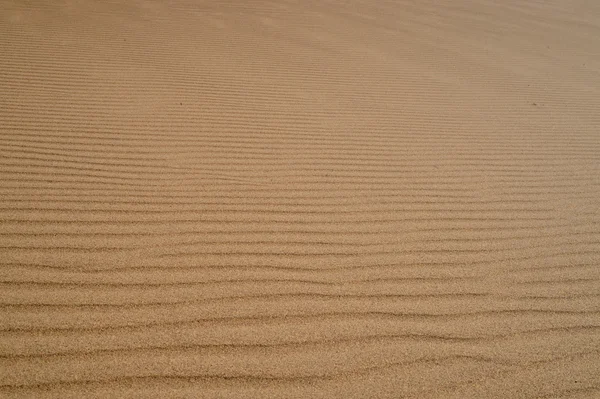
[(306, 199)]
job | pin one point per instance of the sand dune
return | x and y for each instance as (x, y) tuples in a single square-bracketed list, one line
[(300, 199)]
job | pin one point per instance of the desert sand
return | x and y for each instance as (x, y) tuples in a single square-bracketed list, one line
[(300, 199)]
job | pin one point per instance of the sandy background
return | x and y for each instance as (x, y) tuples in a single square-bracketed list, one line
[(304, 199)]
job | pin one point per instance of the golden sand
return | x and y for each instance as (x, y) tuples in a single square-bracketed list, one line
[(300, 199)]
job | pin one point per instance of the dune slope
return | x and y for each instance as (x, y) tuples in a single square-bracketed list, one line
[(300, 199)]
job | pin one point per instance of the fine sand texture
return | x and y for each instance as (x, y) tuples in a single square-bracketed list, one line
[(300, 199)]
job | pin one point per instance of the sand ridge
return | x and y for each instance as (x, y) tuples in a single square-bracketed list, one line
[(291, 199)]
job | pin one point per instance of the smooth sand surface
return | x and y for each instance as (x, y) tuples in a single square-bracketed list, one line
[(300, 199)]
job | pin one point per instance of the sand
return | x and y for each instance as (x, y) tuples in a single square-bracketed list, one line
[(300, 199)]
